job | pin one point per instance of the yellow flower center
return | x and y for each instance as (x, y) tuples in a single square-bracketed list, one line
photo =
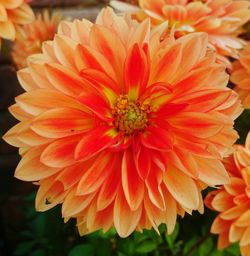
[(130, 117)]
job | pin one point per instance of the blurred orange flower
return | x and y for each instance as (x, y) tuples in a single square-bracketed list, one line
[(233, 202), (121, 125), (221, 19), (12, 13), (241, 76), (31, 36)]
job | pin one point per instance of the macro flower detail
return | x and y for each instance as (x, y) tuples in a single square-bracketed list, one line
[(232, 201), (13, 13), (31, 36), (221, 20), (240, 76), (122, 126)]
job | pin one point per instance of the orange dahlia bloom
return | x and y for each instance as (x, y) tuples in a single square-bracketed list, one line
[(12, 13), (221, 19), (122, 126), (241, 76), (31, 36), (233, 202)]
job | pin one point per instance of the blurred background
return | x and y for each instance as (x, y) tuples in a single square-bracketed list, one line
[(26, 232)]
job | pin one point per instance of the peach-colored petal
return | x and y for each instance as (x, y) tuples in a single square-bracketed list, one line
[(30, 161), (125, 220), (186, 195), (245, 239), (60, 153), (33, 102), (7, 30), (23, 14), (212, 172), (74, 204), (93, 177), (13, 13), (131, 182), (62, 122)]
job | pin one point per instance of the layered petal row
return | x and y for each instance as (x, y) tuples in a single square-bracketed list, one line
[(13, 13), (122, 126), (221, 20), (232, 201), (240, 76), (30, 37)]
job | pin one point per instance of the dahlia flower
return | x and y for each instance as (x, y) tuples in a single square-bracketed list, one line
[(241, 76), (13, 13), (31, 36), (222, 20), (122, 125), (232, 201)]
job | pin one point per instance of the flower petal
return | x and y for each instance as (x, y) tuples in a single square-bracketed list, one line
[(33, 101), (94, 142), (65, 80), (136, 72), (110, 45), (182, 188), (110, 186), (74, 204), (132, 184), (125, 220), (61, 122), (96, 174), (212, 171), (29, 163), (157, 138), (60, 153)]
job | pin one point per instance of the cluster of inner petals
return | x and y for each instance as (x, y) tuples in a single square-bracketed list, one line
[(130, 116)]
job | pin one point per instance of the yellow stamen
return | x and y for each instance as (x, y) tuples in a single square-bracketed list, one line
[(129, 116)]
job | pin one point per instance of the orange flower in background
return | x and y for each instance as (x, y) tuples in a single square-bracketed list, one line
[(222, 20), (241, 76), (232, 201), (121, 125), (13, 13), (31, 36)]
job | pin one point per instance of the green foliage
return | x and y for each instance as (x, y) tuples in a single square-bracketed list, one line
[(82, 250), (47, 235)]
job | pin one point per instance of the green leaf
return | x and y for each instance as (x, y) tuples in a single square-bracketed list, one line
[(146, 247), (103, 248), (233, 250), (82, 250), (172, 237), (24, 248), (189, 244), (121, 254), (126, 246), (38, 253), (206, 247)]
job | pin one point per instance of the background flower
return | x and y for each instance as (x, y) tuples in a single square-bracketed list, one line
[(222, 20), (13, 13), (232, 201), (240, 76), (31, 36), (122, 126)]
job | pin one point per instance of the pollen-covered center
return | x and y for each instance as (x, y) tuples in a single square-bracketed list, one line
[(130, 116)]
